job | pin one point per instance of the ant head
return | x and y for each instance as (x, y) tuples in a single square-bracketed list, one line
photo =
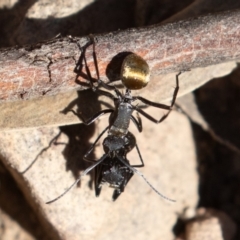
[(135, 72)]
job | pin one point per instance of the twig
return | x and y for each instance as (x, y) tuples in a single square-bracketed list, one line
[(47, 68)]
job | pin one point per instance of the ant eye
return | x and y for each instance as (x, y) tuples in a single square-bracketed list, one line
[(135, 72)]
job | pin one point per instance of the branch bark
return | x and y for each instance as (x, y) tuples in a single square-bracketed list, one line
[(47, 68)]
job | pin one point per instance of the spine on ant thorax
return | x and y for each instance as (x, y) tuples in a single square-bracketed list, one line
[(121, 121)]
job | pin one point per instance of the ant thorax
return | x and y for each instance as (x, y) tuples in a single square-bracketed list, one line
[(120, 119)]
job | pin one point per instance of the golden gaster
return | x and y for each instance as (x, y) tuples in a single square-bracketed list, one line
[(135, 72)]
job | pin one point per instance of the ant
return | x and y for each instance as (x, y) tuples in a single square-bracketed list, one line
[(114, 167)]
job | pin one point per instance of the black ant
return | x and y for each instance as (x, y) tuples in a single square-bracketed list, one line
[(113, 167)]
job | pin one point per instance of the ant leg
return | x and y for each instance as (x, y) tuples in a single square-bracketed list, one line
[(93, 145), (89, 76), (95, 56), (83, 59), (94, 117), (109, 87), (140, 156), (137, 122), (149, 117), (100, 82), (105, 93), (79, 178), (159, 105), (98, 180)]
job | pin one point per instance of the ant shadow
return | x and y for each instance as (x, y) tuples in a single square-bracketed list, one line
[(79, 136), (79, 142)]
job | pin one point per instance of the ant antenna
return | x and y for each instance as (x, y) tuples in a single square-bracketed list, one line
[(141, 175), (79, 178)]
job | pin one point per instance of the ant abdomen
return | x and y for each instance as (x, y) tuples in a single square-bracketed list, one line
[(135, 72)]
